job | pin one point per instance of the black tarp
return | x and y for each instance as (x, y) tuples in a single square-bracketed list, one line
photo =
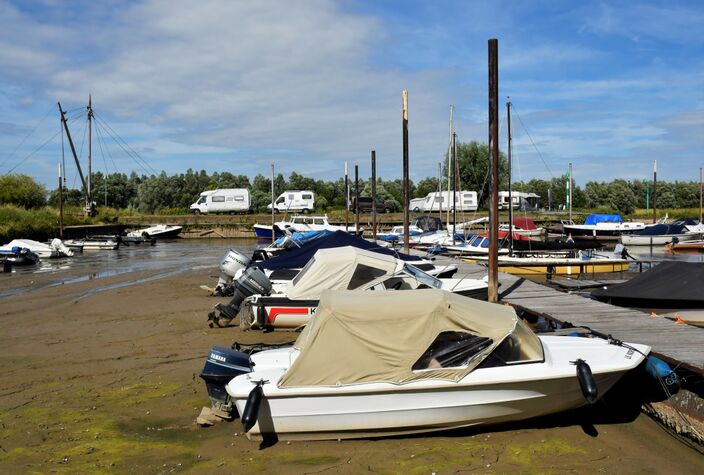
[(428, 223), (661, 230), (298, 258), (670, 284)]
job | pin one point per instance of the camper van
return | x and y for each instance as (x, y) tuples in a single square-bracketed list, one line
[(442, 201), (226, 200), (521, 200), (303, 201)]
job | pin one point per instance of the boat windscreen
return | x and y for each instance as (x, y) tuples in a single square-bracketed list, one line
[(452, 349), (521, 346), (422, 277)]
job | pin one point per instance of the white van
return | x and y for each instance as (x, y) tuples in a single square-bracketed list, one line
[(303, 201), (442, 201), (226, 200)]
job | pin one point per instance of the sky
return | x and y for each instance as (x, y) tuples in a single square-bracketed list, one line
[(609, 86)]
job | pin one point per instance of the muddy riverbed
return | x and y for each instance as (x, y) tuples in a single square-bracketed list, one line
[(107, 382)]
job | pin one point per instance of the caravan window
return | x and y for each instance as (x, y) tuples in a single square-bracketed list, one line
[(290, 197), (307, 197), (452, 349), (239, 198), (218, 199)]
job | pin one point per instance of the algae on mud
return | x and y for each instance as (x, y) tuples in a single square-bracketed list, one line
[(109, 384)]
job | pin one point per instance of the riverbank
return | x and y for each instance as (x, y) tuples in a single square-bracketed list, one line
[(108, 383)]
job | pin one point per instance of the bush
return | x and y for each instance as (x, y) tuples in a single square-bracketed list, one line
[(16, 223), (21, 190)]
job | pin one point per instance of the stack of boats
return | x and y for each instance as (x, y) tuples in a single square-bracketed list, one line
[(388, 349)]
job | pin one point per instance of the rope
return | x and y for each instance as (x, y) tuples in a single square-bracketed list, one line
[(25, 138), (533, 143)]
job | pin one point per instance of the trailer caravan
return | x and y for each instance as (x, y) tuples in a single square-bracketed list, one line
[(303, 201), (443, 201), (521, 200), (225, 200)]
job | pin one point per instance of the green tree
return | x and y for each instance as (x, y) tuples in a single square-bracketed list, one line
[(621, 197), (21, 190), (425, 186)]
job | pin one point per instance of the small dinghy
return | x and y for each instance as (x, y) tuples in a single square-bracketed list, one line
[(18, 256), (56, 248), (158, 231)]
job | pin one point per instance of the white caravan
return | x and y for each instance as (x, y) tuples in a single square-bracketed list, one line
[(226, 200), (303, 201), (521, 200), (442, 201)]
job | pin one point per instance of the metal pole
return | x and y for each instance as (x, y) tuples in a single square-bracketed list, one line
[(571, 193), (454, 187), (510, 195), (449, 171), (61, 205), (374, 195), (655, 191), (493, 291), (406, 220), (700, 195), (272, 204), (356, 198), (347, 201)]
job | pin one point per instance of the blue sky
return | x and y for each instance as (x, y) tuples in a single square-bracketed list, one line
[(234, 85)]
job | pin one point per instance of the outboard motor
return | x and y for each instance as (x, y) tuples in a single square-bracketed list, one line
[(233, 262), (222, 365), (58, 245), (252, 281)]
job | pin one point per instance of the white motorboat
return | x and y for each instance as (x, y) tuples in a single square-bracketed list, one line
[(93, 244), (301, 224), (344, 268), (56, 248), (659, 234), (157, 231), (387, 363), (602, 226)]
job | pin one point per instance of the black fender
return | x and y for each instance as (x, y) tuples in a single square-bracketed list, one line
[(586, 381), (251, 408)]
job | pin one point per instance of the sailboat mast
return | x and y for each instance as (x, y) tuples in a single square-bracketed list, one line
[(510, 196), (493, 290), (73, 148), (449, 168), (89, 191), (700, 195), (454, 187)]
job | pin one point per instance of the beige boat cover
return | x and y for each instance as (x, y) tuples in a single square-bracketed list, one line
[(334, 269), (362, 337)]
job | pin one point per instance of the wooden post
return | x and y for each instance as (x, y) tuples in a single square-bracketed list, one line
[(571, 191), (273, 233), (374, 195), (406, 220), (347, 201), (655, 191), (510, 195), (455, 186), (493, 290), (61, 204), (356, 198)]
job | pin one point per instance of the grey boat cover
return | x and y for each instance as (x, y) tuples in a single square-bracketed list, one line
[(670, 284)]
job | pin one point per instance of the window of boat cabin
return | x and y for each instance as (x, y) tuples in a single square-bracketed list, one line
[(476, 241), (521, 346), (303, 271), (318, 221), (363, 274), (218, 199), (452, 349)]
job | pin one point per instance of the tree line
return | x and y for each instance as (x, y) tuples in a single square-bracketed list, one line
[(173, 194)]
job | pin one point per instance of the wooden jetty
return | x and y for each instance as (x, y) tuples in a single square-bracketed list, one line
[(680, 345)]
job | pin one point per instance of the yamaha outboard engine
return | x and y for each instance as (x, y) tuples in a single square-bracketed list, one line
[(252, 281), (233, 262), (222, 365)]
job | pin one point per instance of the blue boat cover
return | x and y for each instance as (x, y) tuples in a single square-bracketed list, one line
[(603, 218), (299, 257), (661, 229)]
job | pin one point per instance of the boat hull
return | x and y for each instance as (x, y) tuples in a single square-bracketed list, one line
[(264, 231), (657, 240), (400, 411)]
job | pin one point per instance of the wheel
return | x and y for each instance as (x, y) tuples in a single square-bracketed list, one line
[(232, 213), (196, 211), (387, 210), (305, 210)]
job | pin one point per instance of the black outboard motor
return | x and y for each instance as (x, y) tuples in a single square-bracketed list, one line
[(222, 365), (252, 281)]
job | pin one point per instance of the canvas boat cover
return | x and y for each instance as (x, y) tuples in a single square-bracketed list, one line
[(603, 218), (362, 337), (661, 230), (298, 258), (428, 223), (524, 223), (343, 268), (671, 284)]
